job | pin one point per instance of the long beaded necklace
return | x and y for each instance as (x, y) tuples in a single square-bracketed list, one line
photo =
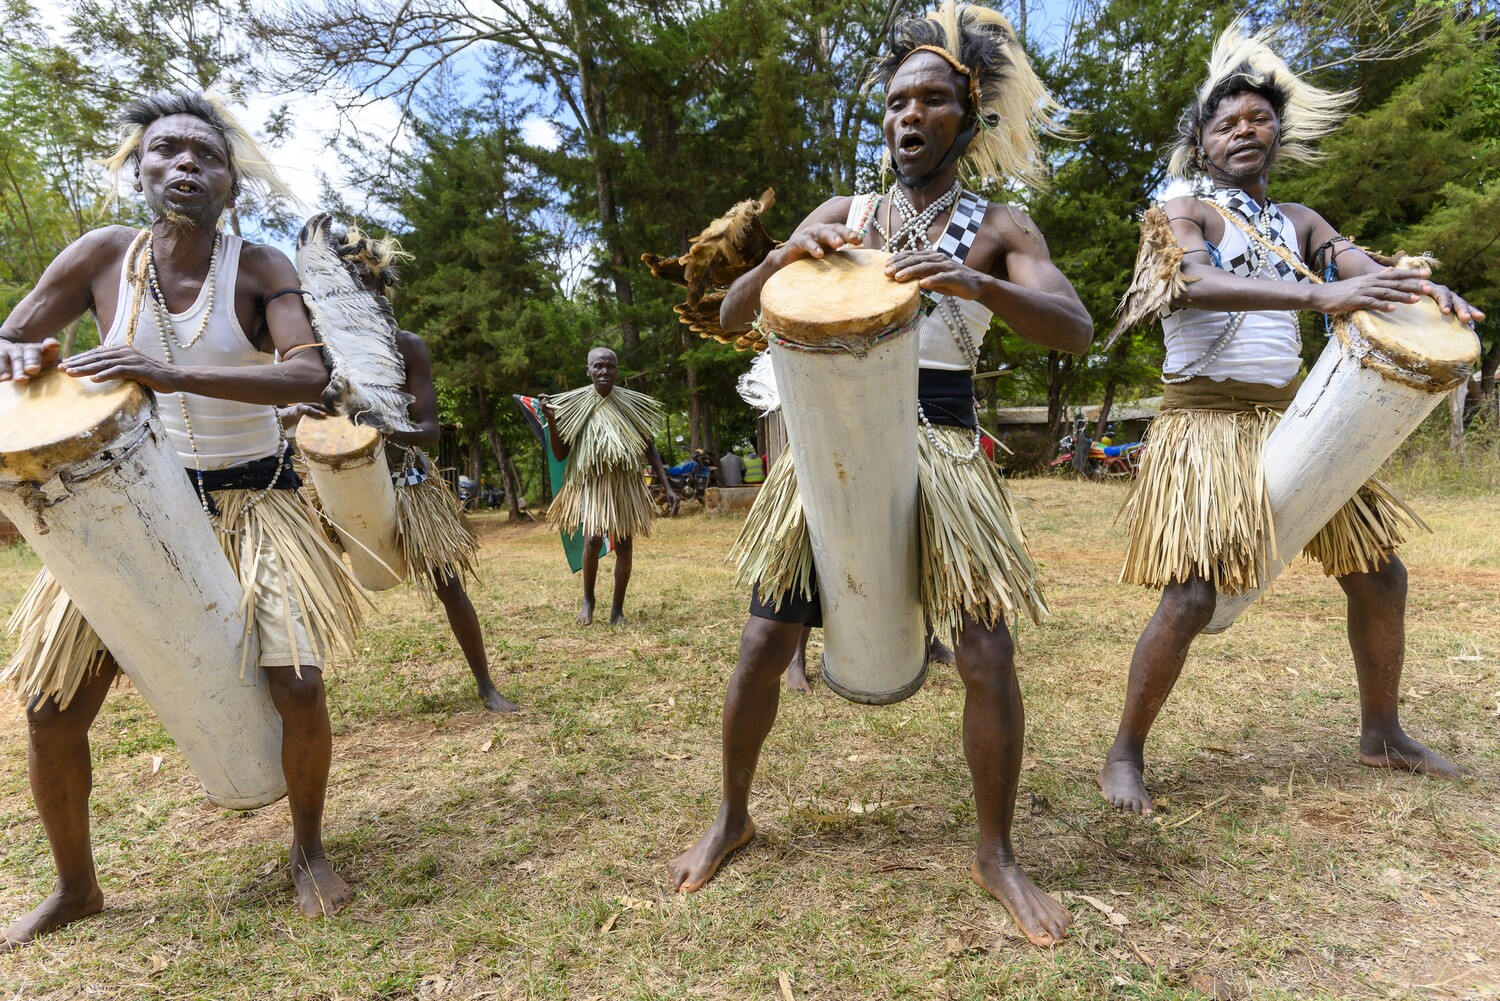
[(146, 277), (1261, 221), (912, 235), (210, 285)]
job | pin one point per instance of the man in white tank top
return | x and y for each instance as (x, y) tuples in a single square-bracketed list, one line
[(199, 332), (996, 262), (1232, 359)]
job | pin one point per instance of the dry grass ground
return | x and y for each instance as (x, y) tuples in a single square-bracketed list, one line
[(524, 857)]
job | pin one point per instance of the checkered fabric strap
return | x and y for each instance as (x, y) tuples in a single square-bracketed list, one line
[(1276, 226), (963, 226)]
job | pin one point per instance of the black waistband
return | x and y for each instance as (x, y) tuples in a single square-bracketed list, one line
[(947, 397), (252, 475)]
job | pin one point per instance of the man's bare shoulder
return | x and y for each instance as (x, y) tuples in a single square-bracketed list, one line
[(1183, 207), (410, 344), (1014, 228), (270, 266), (106, 241)]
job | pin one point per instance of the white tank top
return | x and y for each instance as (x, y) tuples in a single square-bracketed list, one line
[(938, 348), (1267, 348), (227, 432)]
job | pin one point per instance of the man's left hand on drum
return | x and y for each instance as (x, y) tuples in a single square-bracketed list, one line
[(289, 416), (103, 364), (20, 362), (936, 272)]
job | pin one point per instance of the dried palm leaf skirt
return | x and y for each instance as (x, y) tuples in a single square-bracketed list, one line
[(1200, 507), (604, 491), (973, 556), (297, 591), (435, 536)]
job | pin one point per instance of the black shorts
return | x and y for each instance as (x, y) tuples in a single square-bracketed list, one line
[(794, 608)]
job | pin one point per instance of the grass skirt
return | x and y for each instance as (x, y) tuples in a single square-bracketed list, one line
[(604, 491), (973, 553), (56, 649), (1200, 506), (435, 536)]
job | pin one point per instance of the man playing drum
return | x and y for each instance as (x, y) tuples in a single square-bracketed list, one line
[(604, 432), (192, 313), (439, 543), (1199, 522), (960, 95)]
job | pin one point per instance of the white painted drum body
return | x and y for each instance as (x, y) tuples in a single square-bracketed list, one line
[(1379, 377), (346, 463), (88, 477), (850, 418)]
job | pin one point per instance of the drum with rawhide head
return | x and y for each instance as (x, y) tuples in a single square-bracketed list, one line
[(347, 465), (1379, 377), (87, 475), (845, 350)]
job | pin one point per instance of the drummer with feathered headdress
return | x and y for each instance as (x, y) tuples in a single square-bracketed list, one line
[(606, 433), (962, 105), (1226, 274), (196, 315)]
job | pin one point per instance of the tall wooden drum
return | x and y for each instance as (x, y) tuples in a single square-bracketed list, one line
[(845, 349), (1379, 377), (87, 475), (346, 463)]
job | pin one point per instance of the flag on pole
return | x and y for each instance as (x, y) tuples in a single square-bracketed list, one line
[(572, 540)]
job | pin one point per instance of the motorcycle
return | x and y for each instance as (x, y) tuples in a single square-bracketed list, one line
[(1096, 460), (689, 480)]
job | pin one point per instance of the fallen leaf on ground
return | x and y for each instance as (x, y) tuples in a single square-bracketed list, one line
[(1207, 983), (485, 747), (609, 922), (636, 904), (786, 985), (155, 763), (1115, 917)]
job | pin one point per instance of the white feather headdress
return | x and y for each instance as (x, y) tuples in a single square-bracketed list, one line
[(1242, 62), (358, 332)]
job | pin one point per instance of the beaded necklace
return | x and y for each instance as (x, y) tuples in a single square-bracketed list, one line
[(144, 281), (1261, 222), (912, 235)]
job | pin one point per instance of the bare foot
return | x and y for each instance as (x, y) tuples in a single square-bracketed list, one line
[(586, 614), (1123, 782), (320, 890), (51, 914), (1402, 752), (497, 703), (618, 619), (939, 653), (1041, 919), (796, 677), (696, 866)]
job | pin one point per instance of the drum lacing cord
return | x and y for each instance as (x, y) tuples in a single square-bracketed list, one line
[(36, 497), (838, 345)]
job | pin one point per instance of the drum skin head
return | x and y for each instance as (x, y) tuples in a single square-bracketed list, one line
[(1417, 340), (55, 421), (842, 294), (336, 441)]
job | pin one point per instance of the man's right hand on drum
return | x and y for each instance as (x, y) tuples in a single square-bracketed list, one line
[(20, 362), (814, 241)]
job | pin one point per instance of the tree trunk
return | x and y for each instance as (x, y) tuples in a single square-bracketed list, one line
[(1109, 399), (502, 457), (695, 411)]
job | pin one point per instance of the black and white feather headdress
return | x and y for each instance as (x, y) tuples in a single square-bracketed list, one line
[(355, 325)]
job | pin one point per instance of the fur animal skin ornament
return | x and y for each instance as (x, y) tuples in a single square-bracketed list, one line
[(727, 248), (357, 330), (1158, 277)]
